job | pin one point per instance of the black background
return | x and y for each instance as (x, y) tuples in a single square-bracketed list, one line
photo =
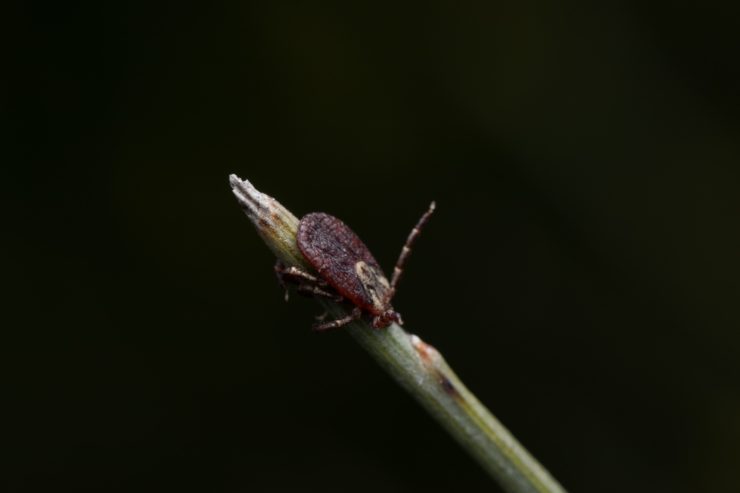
[(580, 274)]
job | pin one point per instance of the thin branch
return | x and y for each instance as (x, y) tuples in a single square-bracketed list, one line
[(415, 365)]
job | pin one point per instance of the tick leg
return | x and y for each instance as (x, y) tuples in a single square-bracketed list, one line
[(281, 279), (406, 250), (297, 276), (340, 322), (312, 290)]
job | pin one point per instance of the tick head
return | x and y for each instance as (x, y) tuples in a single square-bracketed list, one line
[(386, 318)]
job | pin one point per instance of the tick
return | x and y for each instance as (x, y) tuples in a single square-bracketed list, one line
[(347, 271)]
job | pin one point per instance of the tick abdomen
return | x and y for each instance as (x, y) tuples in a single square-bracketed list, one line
[(343, 261)]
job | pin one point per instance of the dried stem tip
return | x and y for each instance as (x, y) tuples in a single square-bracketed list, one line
[(276, 225)]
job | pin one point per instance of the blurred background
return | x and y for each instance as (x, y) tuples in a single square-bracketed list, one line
[(580, 274)]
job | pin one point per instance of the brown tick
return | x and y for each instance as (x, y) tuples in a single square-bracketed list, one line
[(347, 271)]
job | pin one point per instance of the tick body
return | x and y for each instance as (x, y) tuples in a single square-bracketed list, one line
[(347, 271)]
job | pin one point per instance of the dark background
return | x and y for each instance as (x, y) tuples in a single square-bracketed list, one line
[(581, 273)]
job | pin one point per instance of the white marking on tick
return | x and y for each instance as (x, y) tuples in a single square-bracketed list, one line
[(371, 280)]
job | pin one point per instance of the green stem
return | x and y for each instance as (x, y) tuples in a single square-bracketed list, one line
[(416, 366)]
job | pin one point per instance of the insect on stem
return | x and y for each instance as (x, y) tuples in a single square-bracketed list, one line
[(347, 271)]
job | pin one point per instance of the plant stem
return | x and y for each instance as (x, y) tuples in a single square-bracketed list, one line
[(416, 366)]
